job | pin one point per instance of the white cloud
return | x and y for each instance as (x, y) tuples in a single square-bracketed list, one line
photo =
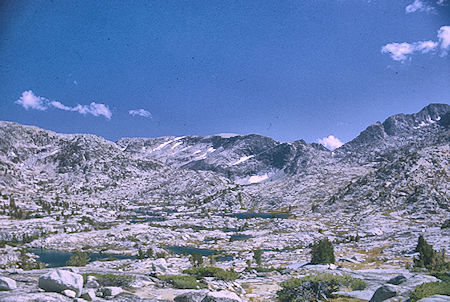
[(30, 100), (94, 109), (140, 112), (60, 106), (444, 39), (402, 51), (398, 51), (330, 142), (418, 6), (425, 46), (441, 2)]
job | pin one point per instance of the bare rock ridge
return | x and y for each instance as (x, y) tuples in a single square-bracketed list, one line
[(234, 170)]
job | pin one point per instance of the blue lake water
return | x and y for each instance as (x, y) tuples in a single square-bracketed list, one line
[(187, 250), (248, 215), (237, 237), (58, 259)]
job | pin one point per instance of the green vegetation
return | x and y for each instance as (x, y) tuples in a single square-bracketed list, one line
[(78, 259), (180, 281), (160, 255), (315, 287), (429, 258), (145, 254), (111, 279), (429, 289), (322, 252), (28, 263), (444, 276), (196, 259), (211, 271), (257, 255)]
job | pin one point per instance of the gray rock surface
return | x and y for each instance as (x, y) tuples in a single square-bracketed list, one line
[(385, 292), (111, 291), (397, 280), (36, 297), (221, 296), (7, 283), (88, 294), (69, 293), (436, 298), (60, 280), (193, 296)]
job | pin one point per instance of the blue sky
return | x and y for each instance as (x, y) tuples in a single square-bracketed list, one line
[(286, 69)]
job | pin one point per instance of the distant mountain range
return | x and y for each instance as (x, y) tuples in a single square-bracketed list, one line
[(401, 163)]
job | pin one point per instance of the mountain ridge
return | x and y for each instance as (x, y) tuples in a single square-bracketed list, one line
[(250, 170)]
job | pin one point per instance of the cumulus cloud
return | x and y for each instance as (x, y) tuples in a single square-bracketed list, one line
[(30, 100), (94, 109), (418, 6), (444, 39), (330, 142), (398, 51), (140, 112), (403, 51)]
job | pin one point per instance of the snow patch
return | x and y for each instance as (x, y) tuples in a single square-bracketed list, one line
[(53, 152), (257, 178), (167, 143), (176, 145), (227, 135), (163, 145), (242, 159), (203, 156)]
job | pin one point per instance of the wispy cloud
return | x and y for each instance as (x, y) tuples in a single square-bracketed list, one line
[(331, 142), (418, 6), (30, 100), (403, 51), (139, 112)]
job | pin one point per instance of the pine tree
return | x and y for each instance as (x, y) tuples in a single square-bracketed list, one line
[(257, 255), (322, 252)]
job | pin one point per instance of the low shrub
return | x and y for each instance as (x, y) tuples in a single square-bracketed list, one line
[(444, 276), (211, 271), (316, 287), (78, 259), (180, 281), (429, 289), (123, 281)]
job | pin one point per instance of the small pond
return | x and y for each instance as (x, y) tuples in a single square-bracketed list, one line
[(58, 259), (248, 215), (237, 237), (187, 250), (146, 219), (229, 230)]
